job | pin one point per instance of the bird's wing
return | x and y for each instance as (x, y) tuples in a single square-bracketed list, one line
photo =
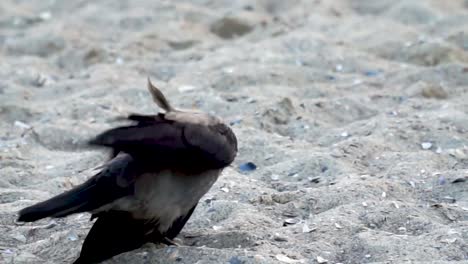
[(113, 182), (172, 142)]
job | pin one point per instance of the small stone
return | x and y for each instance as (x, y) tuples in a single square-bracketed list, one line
[(229, 28), (426, 145), (434, 91), (51, 224), (235, 122), (224, 189), (186, 88), (247, 167), (338, 226), (402, 229), (321, 260), (344, 134), (459, 154), (450, 240), (20, 237), (384, 194), (371, 73), (287, 259), (364, 204), (216, 228), (314, 179), (266, 199), (367, 256), (290, 221), (235, 260), (274, 177), (442, 180), (72, 237), (279, 238), (339, 68), (40, 80), (45, 15), (119, 61), (22, 125), (307, 229)]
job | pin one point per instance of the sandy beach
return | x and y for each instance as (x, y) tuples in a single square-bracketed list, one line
[(351, 116)]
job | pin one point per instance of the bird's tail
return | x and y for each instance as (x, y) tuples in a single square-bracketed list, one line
[(73, 201)]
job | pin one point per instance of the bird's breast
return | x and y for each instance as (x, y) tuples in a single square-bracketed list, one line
[(164, 196)]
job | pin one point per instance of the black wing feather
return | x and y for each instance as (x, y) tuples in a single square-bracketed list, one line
[(113, 182), (171, 142)]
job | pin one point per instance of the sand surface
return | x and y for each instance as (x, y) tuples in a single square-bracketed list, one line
[(354, 112)]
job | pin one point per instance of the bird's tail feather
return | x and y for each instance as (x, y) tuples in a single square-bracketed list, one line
[(73, 201)]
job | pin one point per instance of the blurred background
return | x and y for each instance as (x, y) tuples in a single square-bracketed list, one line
[(351, 118)]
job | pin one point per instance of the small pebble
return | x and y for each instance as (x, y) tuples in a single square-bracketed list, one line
[(290, 221), (307, 229), (51, 224), (339, 67), (224, 189), (450, 240), (216, 228), (72, 237), (235, 122), (45, 15), (235, 260), (287, 259), (279, 238), (338, 226), (371, 73), (364, 204), (426, 145), (344, 134), (321, 260), (384, 194), (367, 256), (20, 237), (119, 61), (186, 88), (442, 180), (22, 125), (314, 180), (248, 166)]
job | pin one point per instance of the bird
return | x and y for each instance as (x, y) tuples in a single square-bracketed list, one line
[(160, 167)]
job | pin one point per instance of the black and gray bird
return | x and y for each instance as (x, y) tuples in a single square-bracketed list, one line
[(161, 166)]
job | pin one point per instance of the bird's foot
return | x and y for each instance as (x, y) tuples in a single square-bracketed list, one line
[(169, 242)]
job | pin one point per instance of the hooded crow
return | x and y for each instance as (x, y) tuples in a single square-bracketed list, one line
[(160, 168)]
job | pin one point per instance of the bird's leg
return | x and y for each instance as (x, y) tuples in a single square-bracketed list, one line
[(169, 242)]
